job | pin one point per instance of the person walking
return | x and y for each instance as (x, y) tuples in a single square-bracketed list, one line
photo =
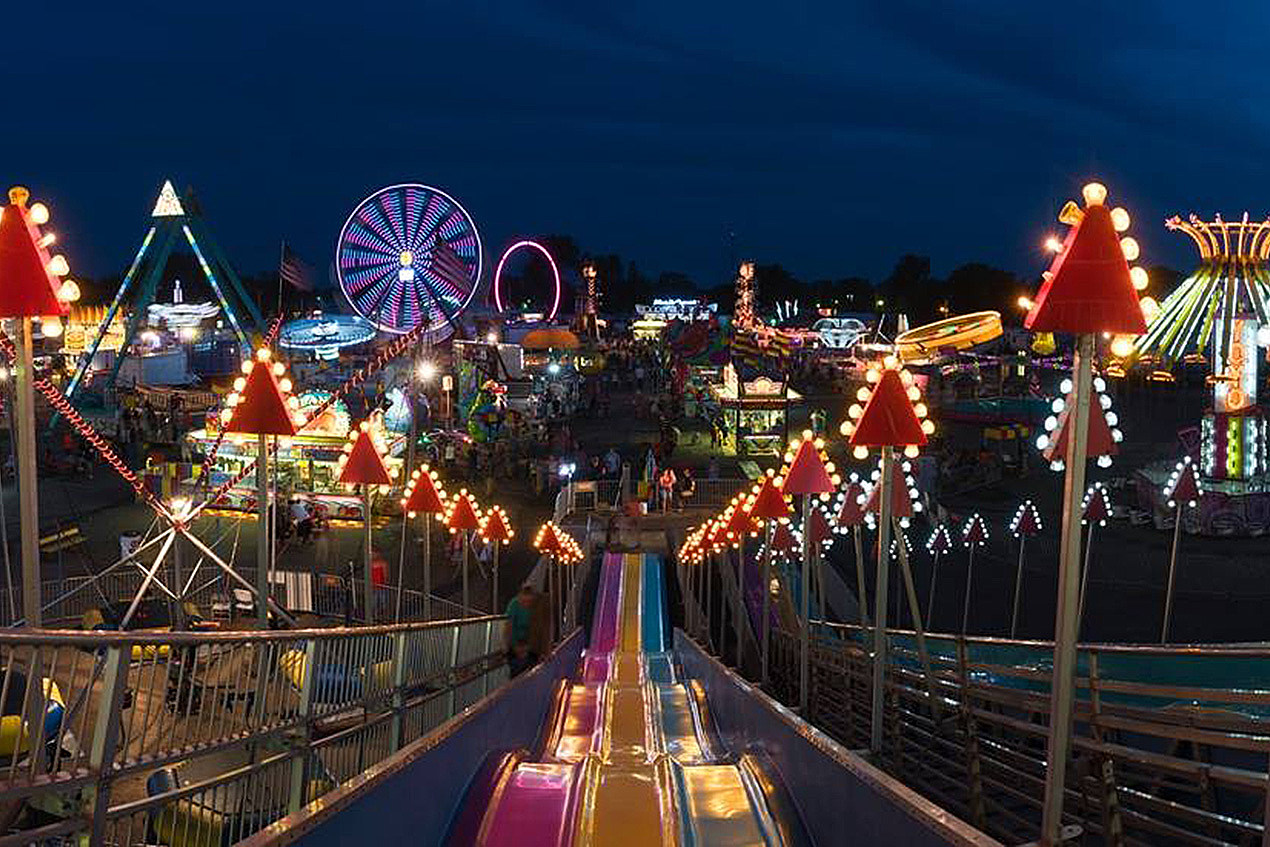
[(666, 482), (526, 640)]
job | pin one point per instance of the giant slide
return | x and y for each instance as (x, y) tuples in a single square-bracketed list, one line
[(628, 754)]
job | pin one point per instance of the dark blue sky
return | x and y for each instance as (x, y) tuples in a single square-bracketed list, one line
[(829, 137)]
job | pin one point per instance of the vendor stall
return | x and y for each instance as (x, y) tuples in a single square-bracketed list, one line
[(755, 413), (306, 464)]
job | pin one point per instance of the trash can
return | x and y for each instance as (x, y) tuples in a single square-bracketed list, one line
[(128, 543)]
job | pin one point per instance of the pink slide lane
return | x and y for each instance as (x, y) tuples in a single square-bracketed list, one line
[(536, 806)]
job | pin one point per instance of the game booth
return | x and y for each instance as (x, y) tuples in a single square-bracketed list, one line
[(756, 412), (306, 465)]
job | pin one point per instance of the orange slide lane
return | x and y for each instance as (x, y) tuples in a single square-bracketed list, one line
[(626, 797)]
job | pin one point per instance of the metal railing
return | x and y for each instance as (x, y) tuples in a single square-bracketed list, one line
[(203, 739), (64, 601), (609, 494), (1170, 743)]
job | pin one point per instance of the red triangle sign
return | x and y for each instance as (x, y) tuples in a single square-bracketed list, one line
[(261, 409), (888, 419), (1026, 520), (1183, 486), (783, 540), (940, 541), (740, 523), (770, 502), (462, 514), (547, 540), (820, 529), (1099, 441), (901, 501), (807, 474), (1088, 289), (1096, 508), (364, 465), (851, 513), (27, 288), (975, 532), (494, 527), (424, 496)]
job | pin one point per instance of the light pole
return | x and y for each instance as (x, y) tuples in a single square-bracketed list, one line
[(1088, 290)]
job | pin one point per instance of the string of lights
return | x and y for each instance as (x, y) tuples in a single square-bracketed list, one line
[(63, 406)]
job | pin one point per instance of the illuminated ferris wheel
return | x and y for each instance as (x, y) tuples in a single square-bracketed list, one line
[(408, 255)]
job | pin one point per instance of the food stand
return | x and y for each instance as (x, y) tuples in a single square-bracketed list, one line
[(757, 413), (306, 464)]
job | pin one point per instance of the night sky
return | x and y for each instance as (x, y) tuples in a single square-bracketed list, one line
[(828, 137)]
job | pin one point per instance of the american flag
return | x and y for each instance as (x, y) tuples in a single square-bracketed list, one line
[(450, 267), (294, 271)]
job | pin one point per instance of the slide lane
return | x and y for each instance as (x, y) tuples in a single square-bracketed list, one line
[(629, 756), (718, 799), (627, 802), (536, 803)]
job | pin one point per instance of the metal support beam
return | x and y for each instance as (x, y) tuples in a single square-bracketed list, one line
[(1062, 687), (28, 493)]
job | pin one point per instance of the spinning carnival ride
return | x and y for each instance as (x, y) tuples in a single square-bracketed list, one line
[(1220, 315), (409, 255)]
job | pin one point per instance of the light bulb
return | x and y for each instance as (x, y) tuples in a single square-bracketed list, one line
[(51, 326), (284, 385), (1120, 219), (860, 452), (1139, 278), (279, 369), (1094, 193), (911, 451), (47, 239), (39, 214), (1122, 346), (855, 411), (1130, 249), (58, 265), (68, 291), (862, 394), (246, 368), (240, 383), (263, 354)]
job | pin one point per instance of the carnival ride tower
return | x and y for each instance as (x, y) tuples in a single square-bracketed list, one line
[(588, 302), (1217, 316), (743, 316)]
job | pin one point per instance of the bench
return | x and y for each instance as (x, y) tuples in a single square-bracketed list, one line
[(62, 540)]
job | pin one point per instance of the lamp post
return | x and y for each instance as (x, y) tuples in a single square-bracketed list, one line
[(891, 417), (261, 405), (770, 506), (29, 288), (1025, 523), (463, 516), (1182, 489), (807, 473), (362, 464), (1088, 290), (423, 495), (496, 529)]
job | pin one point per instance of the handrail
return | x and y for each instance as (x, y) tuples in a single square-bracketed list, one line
[(108, 638), (281, 715), (1250, 649)]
